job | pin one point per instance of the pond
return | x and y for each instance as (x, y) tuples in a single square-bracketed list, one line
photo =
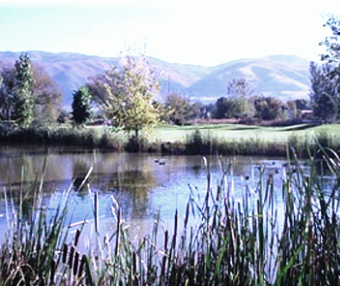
[(142, 184)]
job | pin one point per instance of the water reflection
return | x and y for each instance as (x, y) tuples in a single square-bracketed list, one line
[(142, 184)]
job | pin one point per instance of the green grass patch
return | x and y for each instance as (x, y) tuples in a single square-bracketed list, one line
[(234, 139)]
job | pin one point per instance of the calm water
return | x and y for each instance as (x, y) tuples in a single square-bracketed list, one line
[(142, 184)]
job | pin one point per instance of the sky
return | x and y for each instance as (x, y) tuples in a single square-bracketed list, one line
[(206, 33)]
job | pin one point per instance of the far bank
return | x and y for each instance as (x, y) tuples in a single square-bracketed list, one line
[(201, 139)]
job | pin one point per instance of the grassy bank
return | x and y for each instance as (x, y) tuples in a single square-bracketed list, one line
[(286, 235), (224, 139)]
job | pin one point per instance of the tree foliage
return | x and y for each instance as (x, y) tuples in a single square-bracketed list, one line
[(7, 74), (239, 96), (179, 109), (325, 91), (23, 100), (222, 108), (239, 88), (98, 87), (238, 101), (126, 93), (332, 42), (47, 93), (325, 79), (269, 108), (81, 105)]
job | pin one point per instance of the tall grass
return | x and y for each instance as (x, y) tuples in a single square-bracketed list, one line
[(199, 141), (275, 234), (63, 136), (33, 238)]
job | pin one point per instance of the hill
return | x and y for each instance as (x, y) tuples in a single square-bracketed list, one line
[(284, 77)]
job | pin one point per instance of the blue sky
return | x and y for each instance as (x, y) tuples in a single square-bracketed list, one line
[(206, 33)]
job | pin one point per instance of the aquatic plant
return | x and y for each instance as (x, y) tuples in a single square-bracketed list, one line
[(286, 235)]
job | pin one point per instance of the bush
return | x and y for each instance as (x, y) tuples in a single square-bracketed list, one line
[(138, 145)]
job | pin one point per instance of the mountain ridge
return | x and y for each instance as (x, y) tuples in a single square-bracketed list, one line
[(285, 77)]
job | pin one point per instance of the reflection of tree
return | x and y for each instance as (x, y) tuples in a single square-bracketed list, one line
[(22, 184), (80, 169), (131, 191)]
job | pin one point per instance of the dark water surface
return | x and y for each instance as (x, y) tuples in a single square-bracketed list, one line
[(142, 184)]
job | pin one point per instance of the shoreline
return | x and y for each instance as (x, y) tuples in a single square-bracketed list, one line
[(187, 140)]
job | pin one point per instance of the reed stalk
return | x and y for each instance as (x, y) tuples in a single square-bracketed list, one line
[(282, 232)]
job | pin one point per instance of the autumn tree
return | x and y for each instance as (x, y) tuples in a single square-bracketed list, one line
[(128, 94), (81, 105), (23, 100), (47, 94)]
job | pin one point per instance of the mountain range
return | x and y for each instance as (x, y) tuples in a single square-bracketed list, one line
[(285, 77)]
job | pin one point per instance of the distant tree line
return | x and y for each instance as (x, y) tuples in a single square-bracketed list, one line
[(126, 96)]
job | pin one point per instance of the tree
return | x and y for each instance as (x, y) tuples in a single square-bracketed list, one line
[(179, 109), (239, 88), (81, 105), (325, 79), (23, 101), (220, 110), (98, 87), (227, 107), (303, 104), (129, 92), (324, 93), (268, 108), (293, 110), (332, 42), (237, 103), (6, 91), (47, 95)]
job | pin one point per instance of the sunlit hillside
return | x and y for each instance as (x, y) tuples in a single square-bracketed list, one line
[(283, 77)]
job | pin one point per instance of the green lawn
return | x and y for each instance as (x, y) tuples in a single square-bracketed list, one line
[(238, 132), (239, 139)]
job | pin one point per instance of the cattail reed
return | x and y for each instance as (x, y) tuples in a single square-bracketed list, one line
[(282, 233)]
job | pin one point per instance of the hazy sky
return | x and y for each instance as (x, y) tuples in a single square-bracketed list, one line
[(193, 32)]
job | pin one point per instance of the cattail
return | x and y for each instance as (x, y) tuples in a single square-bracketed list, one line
[(65, 249), (75, 264), (71, 257)]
